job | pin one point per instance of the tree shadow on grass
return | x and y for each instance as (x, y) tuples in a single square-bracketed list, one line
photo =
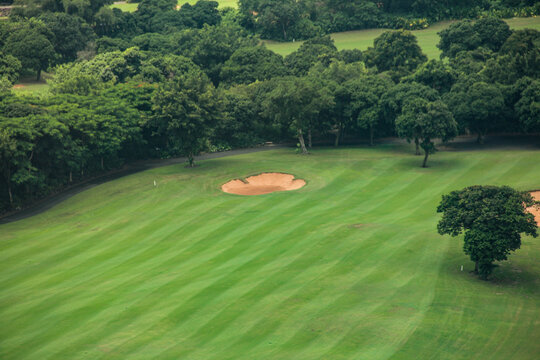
[(493, 142), (512, 274)]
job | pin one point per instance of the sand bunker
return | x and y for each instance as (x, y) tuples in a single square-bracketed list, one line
[(535, 210), (264, 183)]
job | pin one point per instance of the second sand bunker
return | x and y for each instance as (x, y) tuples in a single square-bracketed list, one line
[(264, 183), (535, 210)]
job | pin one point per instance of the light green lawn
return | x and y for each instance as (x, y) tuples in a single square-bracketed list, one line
[(31, 88), (427, 39), (133, 6), (348, 267)]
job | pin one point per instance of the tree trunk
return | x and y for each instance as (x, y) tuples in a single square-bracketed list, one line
[(417, 143), (371, 131), (10, 194), (70, 176), (302, 143), (476, 267), (190, 160), (102, 166), (480, 138), (38, 75), (284, 32), (425, 158), (336, 142), (310, 143)]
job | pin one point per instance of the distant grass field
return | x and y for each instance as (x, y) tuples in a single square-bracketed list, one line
[(133, 6), (348, 267), (31, 88), (427, 39)]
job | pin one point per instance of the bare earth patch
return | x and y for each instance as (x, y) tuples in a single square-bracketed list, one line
[(264, 183), (535, 210)]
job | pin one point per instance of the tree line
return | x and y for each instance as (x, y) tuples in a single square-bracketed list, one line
[(214, 87)]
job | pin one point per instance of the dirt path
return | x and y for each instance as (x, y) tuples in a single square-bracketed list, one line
[(52, 200)]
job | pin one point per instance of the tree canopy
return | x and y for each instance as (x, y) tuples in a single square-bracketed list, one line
[(492, 218), (424, 120)]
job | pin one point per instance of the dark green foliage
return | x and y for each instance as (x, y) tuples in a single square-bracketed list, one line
[(396, 51), (106, 44), (241, 125), (424, 121), (492, 32), (458, 37), (274, 18), (477, 106), (147, 9), (493, 219), (115, 23), (435, 74), (188, 16), (466, 35), (518, 57), (31, 48), (350, 56), (365, 109), (83, 9), (250, 64), (202, 13), (154, 42), (295, 103), (52, 142), (70, 34), (471, 62), (10, 67), (396, 97), (211, 46), (184, 111), (528, 107), (338, 118), (320, 49)]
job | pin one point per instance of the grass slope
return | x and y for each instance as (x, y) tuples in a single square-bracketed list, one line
[(348, 267), (427, 39)]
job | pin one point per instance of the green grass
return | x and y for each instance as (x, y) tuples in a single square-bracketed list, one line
[(126, 7), (133, 6), (427, 39), (31, 88), (348, 267)]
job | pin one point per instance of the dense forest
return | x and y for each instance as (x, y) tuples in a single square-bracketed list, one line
[(166, 81)]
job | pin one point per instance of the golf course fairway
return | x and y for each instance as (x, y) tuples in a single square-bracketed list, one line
[(350, 266)]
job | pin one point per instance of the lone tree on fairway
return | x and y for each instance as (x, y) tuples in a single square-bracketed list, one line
[(492, 218), (423, 121)]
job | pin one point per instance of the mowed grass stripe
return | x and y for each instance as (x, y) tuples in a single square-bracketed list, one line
[(262, 234), (345, 206), (409, 189), (123, 286), (260, 277), (82, 245), (214, 234), (302, 264)]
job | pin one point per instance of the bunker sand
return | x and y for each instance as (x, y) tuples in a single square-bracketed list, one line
[(535, 210), (264, 183)]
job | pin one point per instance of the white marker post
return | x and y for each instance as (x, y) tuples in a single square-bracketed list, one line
[(461, 267), (155, 183)]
